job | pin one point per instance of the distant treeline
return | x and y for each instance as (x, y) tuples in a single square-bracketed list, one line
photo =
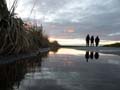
[(113, 45), (15, 38)]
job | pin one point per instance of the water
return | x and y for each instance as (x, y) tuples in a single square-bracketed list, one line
[(67, 69)]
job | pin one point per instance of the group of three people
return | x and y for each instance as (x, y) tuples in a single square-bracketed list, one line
[(91, 40)]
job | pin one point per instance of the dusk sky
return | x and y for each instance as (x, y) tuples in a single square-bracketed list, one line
[(69, 21)]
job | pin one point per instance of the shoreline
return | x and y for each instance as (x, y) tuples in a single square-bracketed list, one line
[(12, 58), (104, 50)]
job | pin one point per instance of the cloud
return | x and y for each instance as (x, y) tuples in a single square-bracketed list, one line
[(114, 34), (70, 30), (96, 17)]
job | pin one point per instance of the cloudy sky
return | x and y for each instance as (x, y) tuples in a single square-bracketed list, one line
[(69, 21)]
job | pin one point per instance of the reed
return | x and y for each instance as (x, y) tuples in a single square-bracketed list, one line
[(14, 37)]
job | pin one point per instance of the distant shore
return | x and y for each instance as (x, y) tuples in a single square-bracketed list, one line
[(105, 50)]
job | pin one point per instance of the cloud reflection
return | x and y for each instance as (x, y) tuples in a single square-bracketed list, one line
[(70, 51)]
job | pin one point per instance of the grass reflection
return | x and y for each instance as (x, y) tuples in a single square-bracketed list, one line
[(11, 74)]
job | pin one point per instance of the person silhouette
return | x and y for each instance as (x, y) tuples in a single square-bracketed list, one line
[(97, 40), (96, 55), (92, 40), (87, 56), (87, 40), (91, 54)]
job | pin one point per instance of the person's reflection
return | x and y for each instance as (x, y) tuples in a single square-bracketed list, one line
[(87, 56), (91, 54), (96, 55)]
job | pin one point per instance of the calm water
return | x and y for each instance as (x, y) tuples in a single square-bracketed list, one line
[(67, 69)]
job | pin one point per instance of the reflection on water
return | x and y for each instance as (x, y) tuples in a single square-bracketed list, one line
[(11, 74), (91, 55), (96, 55), (65, 51), (65, 69)]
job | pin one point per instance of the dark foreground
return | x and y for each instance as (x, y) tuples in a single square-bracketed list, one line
[(67, 69)]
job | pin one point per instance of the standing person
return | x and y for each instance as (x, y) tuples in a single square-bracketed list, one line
[(92, 40), (87, 40), (97, 40)]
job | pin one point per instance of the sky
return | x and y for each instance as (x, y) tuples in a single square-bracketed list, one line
[(69, 21)]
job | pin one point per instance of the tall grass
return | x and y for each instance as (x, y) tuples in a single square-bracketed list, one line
[(14, 37)]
